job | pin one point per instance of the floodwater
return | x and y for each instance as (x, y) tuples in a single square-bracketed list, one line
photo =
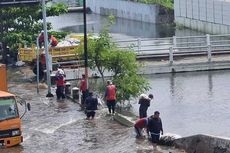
[(122, 29), (192, 103), (61, 127)]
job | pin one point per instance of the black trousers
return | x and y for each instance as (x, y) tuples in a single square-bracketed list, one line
[(111, 105), (60, 92), (138, 132), (142, 113)]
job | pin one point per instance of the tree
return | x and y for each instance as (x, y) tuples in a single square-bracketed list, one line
[(22, 24), (105, 55), (98, 48), (124, 67)]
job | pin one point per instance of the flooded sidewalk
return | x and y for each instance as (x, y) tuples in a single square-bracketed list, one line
[(61, 127)]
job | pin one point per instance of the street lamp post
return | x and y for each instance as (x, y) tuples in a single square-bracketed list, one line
[(49, 94), (85, 43)]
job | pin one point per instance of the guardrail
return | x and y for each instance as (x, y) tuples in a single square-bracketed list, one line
[(178, 46)]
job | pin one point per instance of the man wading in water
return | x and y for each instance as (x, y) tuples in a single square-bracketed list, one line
[(110, 96), (90, 106), (155, 127)]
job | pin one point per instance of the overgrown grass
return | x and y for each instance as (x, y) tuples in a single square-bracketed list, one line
[(165, 3)]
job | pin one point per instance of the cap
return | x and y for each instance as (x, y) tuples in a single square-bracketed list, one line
[(151, 96)]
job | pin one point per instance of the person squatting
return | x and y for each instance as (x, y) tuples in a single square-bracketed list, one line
[(153, 125)]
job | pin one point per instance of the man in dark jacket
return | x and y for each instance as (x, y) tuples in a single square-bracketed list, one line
[(155, 127), (144, 102), (91, 106)]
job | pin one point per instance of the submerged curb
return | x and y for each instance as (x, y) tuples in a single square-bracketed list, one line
[(122, 119)]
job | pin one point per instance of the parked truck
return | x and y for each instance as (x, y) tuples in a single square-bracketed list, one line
[(10, 119)]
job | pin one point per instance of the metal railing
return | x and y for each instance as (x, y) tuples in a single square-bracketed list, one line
[(178, 46)]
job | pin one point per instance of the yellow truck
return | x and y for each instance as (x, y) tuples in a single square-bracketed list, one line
[(58, 53), (10, 121)]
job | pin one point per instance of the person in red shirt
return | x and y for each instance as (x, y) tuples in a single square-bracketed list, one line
[(110, 96), (83, 89), (43, 60), (60, 81), (41, 39), (140, 125), (52, 40)]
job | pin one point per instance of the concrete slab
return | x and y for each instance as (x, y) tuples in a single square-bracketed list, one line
[(203, 144)]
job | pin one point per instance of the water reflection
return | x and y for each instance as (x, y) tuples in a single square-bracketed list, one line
[(177, 90), (192, 103), (210, 83), (73, 22)]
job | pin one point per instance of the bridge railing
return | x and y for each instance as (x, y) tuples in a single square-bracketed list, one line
[(209, 45)]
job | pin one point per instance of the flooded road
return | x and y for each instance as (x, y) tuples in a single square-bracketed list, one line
[(60, 127)]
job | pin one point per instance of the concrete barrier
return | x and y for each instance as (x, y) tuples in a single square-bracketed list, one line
[(124, 120), (118, 8), (203, 144)]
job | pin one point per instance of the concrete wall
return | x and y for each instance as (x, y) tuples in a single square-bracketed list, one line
[(211, 16), (203, 144), (125, 9)]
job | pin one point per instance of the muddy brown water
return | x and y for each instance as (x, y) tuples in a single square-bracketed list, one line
[(61, 127)]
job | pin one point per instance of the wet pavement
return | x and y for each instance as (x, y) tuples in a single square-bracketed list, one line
[(61, 127)]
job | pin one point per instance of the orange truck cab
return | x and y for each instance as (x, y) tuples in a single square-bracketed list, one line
[(10, 122)]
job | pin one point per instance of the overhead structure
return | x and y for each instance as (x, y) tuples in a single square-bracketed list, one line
[(4, 3)]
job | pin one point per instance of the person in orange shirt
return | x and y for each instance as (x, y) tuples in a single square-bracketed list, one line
[(53, 41), (110, 96)]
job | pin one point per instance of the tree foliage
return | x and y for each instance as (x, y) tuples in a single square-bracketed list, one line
[(165, 3), (124, 67), (22, 24), (98, 48), (104, 56)]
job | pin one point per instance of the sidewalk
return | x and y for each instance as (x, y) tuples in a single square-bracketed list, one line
[(186, 64)]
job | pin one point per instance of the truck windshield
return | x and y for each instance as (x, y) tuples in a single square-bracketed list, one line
[(8, 108)]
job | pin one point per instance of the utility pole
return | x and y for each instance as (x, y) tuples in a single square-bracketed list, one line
[(85, 43), (49, 94)]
